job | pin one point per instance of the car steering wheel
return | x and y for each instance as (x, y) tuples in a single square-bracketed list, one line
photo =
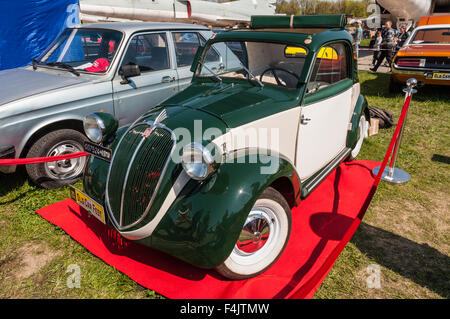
[(273, 69)]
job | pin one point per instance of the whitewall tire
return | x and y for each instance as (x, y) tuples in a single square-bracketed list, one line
[(263, 238), (363, 128)]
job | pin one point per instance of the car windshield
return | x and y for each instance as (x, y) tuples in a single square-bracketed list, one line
[(432, 36), (259, 62), (85, 50)]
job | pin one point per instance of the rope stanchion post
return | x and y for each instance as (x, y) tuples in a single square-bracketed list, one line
[(393, 174), (393, 147)]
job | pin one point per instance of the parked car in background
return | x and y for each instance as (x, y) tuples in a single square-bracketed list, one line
[(425, 55), (210, 176), (123, 69)]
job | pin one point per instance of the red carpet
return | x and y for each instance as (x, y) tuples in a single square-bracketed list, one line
[(319, 226)]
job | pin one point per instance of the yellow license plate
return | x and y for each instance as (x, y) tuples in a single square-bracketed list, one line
[(88, 204), (441, 76)]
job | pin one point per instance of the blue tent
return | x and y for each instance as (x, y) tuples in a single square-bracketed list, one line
[(27, 27)]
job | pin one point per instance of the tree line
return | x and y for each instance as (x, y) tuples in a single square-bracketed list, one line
[(353, 8)]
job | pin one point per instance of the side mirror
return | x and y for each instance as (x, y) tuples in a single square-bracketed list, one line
[(197, 56), (128, 71)]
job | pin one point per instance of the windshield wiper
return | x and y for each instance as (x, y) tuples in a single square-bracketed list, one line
[(212, 72), (252, 75), (64, 66)]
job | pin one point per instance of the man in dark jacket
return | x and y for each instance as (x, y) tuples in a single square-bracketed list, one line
[(388, 35)]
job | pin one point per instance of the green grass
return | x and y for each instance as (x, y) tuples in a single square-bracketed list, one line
[(405, 231)]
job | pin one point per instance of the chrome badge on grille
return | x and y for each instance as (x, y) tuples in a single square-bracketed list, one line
[(147, 132)]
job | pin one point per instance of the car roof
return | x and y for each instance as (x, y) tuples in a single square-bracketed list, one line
[(435, 19), (132, 27), (432, 26), (318, 36)]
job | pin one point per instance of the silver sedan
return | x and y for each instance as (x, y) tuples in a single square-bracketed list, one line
[(123, 69)]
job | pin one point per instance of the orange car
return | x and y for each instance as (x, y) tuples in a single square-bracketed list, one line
[(425, 55)]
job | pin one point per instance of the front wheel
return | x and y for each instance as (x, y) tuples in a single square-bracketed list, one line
[(60, 173), (263, 237)]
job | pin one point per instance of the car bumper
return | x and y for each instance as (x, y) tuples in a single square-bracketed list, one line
[(402, 75), (7, 152)]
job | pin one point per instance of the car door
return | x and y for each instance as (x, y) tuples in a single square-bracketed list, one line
[(186, 44), (325, 112), (157, 81)]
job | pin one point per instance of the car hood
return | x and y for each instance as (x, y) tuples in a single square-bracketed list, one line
[(20, 83), (235, 103), (183, 120), (425, 50)]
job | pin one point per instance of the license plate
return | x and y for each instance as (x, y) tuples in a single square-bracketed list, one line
[(441, 76), (88, 204), (98, 151)]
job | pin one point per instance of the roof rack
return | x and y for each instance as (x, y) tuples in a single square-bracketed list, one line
[(327, 21)]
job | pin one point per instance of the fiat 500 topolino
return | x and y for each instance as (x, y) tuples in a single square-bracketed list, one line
[(193, 179)]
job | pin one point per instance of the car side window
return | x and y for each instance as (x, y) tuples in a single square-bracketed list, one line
[(330, 67), (148, 51), (186, 46), (212, 55)]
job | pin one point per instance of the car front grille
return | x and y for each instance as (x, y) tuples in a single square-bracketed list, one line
[(138, 166)]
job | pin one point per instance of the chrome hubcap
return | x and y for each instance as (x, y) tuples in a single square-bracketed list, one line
[(256, 231), (66, 168)]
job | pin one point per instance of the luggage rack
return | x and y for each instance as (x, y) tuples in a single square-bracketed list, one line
[(334, 21)]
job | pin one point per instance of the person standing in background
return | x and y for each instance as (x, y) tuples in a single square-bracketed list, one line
[(387, 46), (357, 36), (377, 47)]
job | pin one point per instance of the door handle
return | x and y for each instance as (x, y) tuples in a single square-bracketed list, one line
[(167, 79), (304, 120)]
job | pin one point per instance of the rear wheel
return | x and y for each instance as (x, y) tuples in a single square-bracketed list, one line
[(263, 237), (60, 173)]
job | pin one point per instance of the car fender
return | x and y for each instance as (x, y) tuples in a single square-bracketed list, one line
[(204, 222), (42, 125), (15, 134), (360, 108)]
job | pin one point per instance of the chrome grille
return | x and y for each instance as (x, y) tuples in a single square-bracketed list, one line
[(138, 166)]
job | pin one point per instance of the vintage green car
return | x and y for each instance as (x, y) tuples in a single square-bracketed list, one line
[(211, 175)]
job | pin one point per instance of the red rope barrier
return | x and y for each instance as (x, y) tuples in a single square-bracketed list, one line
[(304, 290), (37, 160)]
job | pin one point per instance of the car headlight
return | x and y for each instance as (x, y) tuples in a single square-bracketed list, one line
[(99, 126), (197, 161)]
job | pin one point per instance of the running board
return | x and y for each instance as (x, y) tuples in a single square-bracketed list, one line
[(311, 184)]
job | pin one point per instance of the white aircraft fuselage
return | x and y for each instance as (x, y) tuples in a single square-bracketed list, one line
[(217, 14), (408, 12)]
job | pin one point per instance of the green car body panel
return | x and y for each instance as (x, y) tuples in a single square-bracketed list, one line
[(202, 224)]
